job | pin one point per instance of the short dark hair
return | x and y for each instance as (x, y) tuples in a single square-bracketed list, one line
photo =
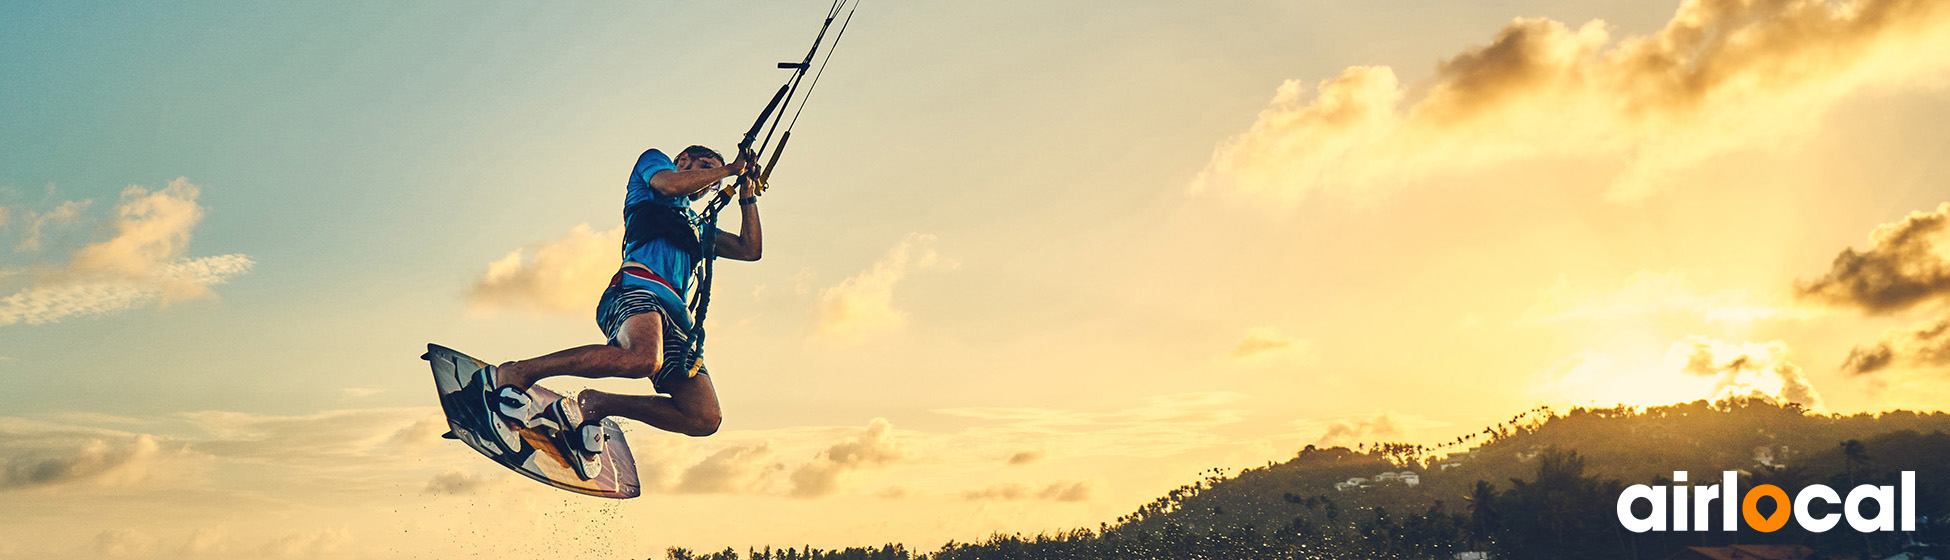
[(700, 152)]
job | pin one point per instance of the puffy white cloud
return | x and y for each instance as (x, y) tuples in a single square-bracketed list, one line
[(863, 306), (1722, 75), (1381, 427), (32, 460), (143, 263), (151, 229), (1745, 370), (732, 470), (34, 223), (874, 447), (566, 275)]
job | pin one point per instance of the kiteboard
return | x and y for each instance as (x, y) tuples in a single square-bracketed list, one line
[(531, 450)]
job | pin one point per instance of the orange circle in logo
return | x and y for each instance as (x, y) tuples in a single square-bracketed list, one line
[(1770, 523)]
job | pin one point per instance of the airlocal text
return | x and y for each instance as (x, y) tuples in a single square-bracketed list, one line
[(1675, 501)]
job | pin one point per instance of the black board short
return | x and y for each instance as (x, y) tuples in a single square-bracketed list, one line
[(625, 300)]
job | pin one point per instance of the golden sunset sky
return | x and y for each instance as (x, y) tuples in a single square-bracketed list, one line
[(1028, 265)]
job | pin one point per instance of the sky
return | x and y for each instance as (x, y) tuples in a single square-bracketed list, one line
[(1028, 265)]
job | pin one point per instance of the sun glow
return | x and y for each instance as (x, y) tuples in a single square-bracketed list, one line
[(1596, 379)]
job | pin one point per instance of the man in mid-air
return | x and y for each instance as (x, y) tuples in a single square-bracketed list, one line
[(644, 312)]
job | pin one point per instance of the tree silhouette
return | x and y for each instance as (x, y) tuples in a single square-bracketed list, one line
[(1853, 456)]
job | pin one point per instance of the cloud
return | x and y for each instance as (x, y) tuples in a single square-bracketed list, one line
[(121, 543), (345, 446), (206, 542), (151, 229), (320, 543), (458, 482), (360, 392), (1720, 76), (1901, 268), (30, 239), (1009, 491), (1647, 292), (874, 447), (143, 263), (1265, 341), (422, 433), (1745, 370), (1922, 347), (326, 440), (1072, 492), (1025, 457), (566, 275), (1382, 427), (58, 459), (732, 470), (95, 295), (863, 306), (1059, 492)]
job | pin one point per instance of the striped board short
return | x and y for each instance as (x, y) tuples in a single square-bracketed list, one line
[(626, 299)]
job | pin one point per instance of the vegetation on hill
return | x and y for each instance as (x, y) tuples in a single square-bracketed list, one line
[(1541, 486)]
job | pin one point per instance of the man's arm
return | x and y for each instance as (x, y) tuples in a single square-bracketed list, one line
[(749, 243), (673, 182)]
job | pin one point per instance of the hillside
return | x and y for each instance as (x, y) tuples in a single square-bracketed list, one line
[(1543, 485), (1765, 442)]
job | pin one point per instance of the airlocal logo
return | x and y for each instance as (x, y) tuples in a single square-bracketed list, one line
[(1802, 509)]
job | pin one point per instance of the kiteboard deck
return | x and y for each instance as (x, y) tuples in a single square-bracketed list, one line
[(538, 456)]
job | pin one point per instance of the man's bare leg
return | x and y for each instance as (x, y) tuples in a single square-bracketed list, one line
[(637, 354), (691, 408), (592, 361)]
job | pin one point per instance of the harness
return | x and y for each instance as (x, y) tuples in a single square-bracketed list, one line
[(650, 220), (640, 272)]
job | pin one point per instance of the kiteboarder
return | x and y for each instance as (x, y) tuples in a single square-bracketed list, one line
[(643, 312), (653, 314)]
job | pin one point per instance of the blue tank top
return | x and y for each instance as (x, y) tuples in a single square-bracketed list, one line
[(660, 256)]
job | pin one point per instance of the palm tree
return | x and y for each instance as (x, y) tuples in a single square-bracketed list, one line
[(1853, 455), (1483, 518)]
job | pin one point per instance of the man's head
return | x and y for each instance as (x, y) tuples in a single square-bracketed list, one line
[(698, 157)]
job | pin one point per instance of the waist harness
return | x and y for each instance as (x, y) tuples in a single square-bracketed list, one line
[(649, 221)]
